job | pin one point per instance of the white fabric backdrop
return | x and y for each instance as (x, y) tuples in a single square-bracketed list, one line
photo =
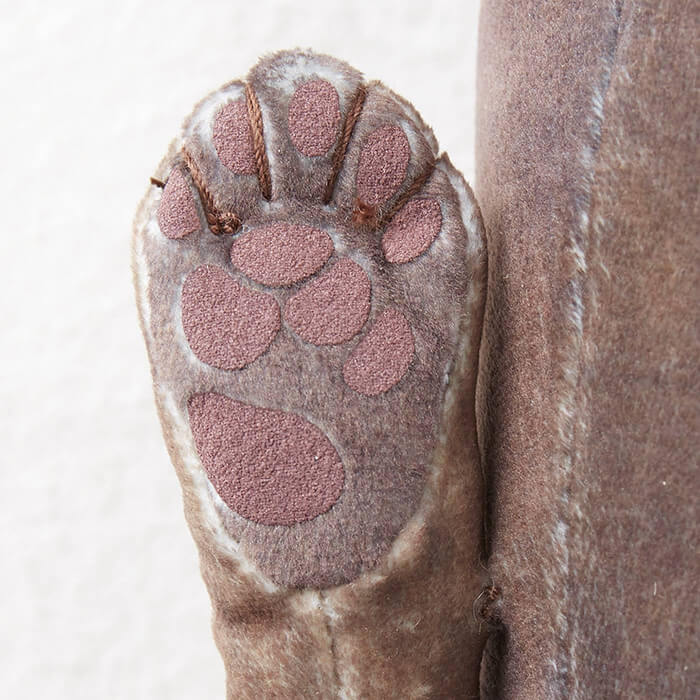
[(101, 595)]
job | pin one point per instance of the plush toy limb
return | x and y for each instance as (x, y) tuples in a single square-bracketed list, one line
[(310, 279)]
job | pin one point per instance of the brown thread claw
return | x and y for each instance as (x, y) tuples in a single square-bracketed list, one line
[(412, 191), (262, 164), (219, 222), (364, 214), (348, 126), (486, 607)]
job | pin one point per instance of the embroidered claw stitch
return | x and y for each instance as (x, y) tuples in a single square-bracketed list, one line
[(262, 165), (218, 221), (364, 215), (411, 192), (487, 606), (348, 127)]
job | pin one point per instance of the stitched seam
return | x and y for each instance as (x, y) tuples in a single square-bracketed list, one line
[(332, 648)]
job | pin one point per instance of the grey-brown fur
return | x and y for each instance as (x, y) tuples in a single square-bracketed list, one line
[(587, 176), (402, 625)]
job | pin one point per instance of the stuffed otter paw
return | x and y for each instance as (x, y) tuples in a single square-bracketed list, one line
[(310, 277)]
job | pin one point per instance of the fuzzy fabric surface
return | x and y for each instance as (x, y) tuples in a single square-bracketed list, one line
[(314, 368), (589, 386)]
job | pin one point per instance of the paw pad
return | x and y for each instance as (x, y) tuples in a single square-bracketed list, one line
[(281, 254), (333, 308), (383, 163), (314, 117), (177, 213), (272, 467), (226, 324), (233, 139), (412, 230), (382, 357)]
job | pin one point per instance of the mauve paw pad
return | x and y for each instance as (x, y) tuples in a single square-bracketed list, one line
[(233, 139), (281, 254), (382, 357), (332, 308), (227, 324), (177, 213), (412, 231), (272, 467), (383, 163), (314, 117)]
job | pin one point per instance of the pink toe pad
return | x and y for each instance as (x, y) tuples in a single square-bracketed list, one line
[(382, 357), (313, 118), (227, 325), (233, 139), (269, 466), (412, 230), (281, 254), (333, 308), (177, 213), (383, 163)]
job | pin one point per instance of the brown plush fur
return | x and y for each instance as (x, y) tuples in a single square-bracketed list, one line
[(373, 598), (589, 383)]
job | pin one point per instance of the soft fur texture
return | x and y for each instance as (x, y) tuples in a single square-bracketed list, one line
[(589, 383), (372, 598)]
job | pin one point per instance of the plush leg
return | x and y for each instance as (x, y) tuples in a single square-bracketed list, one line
[(310, 277), (587, 176)]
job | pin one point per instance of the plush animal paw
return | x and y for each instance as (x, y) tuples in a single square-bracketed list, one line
[(309, 272)]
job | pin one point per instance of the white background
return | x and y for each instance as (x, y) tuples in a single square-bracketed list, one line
[(100, 594)]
